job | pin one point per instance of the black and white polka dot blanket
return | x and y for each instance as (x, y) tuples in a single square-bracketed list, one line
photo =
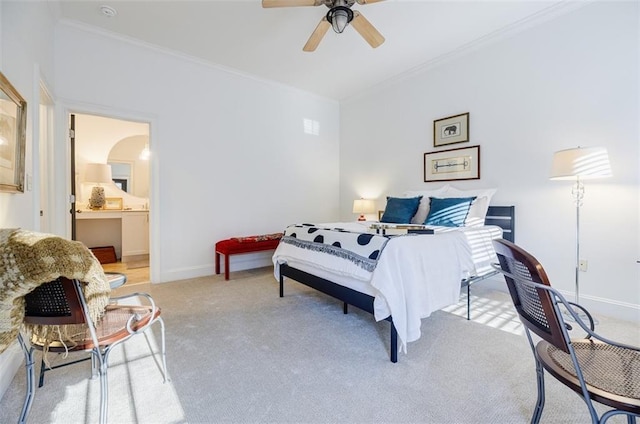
[(363, 249)]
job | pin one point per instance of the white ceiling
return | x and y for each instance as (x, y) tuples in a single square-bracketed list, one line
[(267, 43)]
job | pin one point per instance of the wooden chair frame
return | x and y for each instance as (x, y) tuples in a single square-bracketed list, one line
[(539, 308)]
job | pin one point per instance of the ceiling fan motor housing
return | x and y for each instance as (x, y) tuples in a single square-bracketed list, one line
[(333, 3)]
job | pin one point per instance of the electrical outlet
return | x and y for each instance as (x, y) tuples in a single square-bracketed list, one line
[(583, 265)]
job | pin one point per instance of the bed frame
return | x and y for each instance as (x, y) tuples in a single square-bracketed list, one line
[(502, 216)]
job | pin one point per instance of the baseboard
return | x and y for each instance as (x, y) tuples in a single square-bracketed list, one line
[(596, 305), (236, 263), (612, 308), (607, 307), (10, 362), (135, 258), (186, 273), (249, 261)]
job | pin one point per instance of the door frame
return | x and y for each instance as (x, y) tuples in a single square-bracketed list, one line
[(43, 163), (64, 182)]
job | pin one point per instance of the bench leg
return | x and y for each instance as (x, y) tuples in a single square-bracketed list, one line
[(226, 267), (217, 263)]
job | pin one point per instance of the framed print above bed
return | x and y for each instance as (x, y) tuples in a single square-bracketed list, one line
[(451, 130), (452, 164), (13, 127)]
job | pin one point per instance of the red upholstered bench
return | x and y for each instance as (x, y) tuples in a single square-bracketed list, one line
[(249, 244)]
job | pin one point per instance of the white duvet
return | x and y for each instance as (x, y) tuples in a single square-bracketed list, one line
[(415, 275)]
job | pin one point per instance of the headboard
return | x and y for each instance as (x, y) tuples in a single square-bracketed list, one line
[(503, 217)]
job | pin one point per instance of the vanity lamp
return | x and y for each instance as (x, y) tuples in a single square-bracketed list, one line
[(363, 206), (97, 173), (579, 164)]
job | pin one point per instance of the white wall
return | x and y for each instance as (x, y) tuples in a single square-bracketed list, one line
[(229, 152), (226, 147), (568, 82), (24, 52), (26, 56)]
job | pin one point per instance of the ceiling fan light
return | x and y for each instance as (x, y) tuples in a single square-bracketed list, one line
[(340, 21), (339, 17)]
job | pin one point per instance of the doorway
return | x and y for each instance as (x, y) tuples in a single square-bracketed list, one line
[(112, 191)]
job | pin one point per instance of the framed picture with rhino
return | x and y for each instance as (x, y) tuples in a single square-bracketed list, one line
[(451, 130)]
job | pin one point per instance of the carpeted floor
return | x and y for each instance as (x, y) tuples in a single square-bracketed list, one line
[(237, 353)]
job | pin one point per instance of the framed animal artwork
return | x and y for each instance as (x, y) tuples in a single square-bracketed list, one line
[(451, 130)]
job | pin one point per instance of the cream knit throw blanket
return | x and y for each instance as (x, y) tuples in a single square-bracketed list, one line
[(28, 259)]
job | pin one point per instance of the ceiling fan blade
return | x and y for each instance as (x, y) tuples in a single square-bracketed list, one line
[(366, 30), (368, 1), (291, 3), (317, 35)]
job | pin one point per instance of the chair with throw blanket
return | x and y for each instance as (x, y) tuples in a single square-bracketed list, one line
[(54, 296), (597, 369), (58, 314)]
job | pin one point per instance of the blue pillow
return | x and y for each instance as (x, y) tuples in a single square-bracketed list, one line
[(449, 212), (400, 210)]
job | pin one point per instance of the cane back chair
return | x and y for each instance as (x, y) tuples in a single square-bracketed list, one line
[(62, 302), (597, 369)]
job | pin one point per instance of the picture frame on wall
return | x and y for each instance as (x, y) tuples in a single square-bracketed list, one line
[(13, 129), (452, 164), (451, 130)]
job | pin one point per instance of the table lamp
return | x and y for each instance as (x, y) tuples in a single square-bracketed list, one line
[(97, 173), (363, 206), (578, 164)]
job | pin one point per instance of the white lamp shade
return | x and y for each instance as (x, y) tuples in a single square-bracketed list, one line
[(582, 162), (97, 173), (364, 206)]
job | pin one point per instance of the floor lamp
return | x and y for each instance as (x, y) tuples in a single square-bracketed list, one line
[(579, 164)]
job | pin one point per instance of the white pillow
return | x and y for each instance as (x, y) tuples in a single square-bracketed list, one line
[(423, 207), (479, 207)]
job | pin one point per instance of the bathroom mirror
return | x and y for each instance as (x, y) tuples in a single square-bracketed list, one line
[(121, 175), (130, 173)]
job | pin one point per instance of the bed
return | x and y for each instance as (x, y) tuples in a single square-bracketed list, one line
[(405, 278)]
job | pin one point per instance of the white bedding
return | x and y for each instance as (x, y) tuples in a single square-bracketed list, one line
[(415, 275)]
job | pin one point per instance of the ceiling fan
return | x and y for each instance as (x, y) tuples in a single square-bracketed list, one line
[(338, 17)]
